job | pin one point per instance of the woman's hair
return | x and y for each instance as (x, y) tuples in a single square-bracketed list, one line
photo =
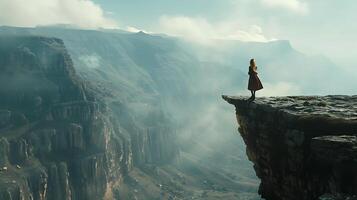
[(252, 62)]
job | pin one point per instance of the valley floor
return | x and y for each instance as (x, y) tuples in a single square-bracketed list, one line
[(189, 179)]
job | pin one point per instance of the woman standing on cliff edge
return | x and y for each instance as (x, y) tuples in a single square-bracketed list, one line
[(254, 83)]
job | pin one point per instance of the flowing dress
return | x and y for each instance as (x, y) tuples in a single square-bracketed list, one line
[(254, 81)]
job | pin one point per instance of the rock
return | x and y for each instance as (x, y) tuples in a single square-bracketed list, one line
[(58, 182), (19, 151), (67, 147), (335, 149), (294, 138), (5, 116), (302, 147), (4, 151), (19, 119), (338, 197), (68, 141), (154, 145)]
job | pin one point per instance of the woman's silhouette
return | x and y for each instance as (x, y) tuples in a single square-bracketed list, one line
[(254, 83)]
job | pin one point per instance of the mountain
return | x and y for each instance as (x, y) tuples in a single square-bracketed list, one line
[(137, 117), (161, 97), (57, 141)]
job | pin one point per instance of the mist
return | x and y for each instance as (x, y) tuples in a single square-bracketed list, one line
[(163, 81), (183, 81), (209, 129)]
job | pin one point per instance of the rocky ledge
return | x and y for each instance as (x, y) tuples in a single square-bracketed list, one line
[(302, 147)]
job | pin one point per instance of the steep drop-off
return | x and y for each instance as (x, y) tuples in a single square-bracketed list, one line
[(302, 147), (54, 124), (59, 139)]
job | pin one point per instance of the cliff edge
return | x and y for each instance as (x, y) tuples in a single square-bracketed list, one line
[(302, 147)]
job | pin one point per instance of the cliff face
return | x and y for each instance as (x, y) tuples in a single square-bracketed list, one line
[(66, 137), (301, 147), (56, 140)]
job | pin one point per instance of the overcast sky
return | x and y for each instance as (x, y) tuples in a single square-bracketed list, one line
[(326, 27)]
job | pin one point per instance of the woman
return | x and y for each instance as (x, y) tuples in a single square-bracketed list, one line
[(254, 83)]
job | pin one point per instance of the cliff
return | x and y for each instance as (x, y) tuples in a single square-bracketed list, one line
[(57, 142), (302, 147), (60, 138)]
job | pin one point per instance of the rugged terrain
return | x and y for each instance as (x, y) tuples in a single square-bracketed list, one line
[(66, 137), (58, 139), (152, 90), (302, 147), (158, 98)]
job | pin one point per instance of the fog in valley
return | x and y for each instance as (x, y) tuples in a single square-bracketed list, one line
[(176, 84)]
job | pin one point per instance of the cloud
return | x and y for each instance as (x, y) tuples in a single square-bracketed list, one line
[(291, 5), (200, 30), (280, 89), (81, 13), (133, 29), (136, 30), (254, 33), (91, 61)]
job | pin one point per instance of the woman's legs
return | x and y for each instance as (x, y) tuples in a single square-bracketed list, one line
[(251, 97)]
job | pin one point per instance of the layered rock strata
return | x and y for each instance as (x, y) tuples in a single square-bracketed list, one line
[(56, 141)]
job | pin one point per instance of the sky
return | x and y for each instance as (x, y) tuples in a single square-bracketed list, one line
[(323, 27)]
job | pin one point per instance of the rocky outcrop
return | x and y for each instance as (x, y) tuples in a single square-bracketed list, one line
[(302, 147)]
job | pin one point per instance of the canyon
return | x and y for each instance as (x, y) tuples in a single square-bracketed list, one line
[(58, 140), (108, 114)]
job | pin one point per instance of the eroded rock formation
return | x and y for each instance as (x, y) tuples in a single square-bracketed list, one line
[(58, 139), (56, 142), (301, 147)]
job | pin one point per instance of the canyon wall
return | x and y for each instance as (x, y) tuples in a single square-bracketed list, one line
[(58, 138)]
